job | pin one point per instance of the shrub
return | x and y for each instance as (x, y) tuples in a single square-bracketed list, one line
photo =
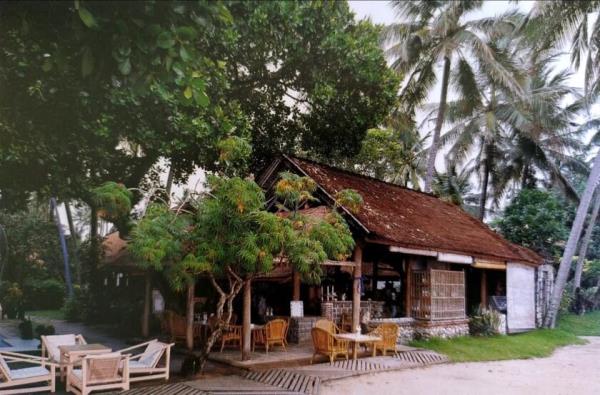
[(44, 330), (12, 299), (26, 329), (45, 294), (567, 300), (484, 322), (76, 308)]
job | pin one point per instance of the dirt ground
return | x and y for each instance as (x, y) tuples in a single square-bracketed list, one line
[(570, 370)]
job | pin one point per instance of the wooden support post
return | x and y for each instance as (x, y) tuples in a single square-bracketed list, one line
[(147, 303), (408, 286), (247, 320), (356, 288), (296, 285), (484, 289), (189, 330)]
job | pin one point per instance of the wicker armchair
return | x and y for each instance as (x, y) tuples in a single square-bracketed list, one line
[(273, 334), (327, 325), (389, 334), (325, 343), (231, 335)]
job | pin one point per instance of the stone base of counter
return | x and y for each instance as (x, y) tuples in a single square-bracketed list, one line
[(444, 329), (411, 329), (300, 327)]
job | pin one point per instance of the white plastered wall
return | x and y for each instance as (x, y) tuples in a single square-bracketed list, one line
[(520, 297)]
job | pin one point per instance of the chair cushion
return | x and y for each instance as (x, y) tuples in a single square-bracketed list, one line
[(138, 365), (152, 354), (25, 373), (53, 342)]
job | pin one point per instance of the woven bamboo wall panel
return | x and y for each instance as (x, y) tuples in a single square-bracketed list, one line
[(438, 295)]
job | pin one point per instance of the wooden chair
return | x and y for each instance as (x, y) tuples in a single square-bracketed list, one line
[(145, 365), (325, 343), (272, 334), (50, 348), (98, 373), (20, 381), (231, 335), (389, 333)]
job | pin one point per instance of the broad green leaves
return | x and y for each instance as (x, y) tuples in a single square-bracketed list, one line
[(165, 40), (86, 17)]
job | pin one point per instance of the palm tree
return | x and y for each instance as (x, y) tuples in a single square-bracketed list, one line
[(553, 22), (567, 258), (454, 186), (436, 32), (517, 138), (583, 248)]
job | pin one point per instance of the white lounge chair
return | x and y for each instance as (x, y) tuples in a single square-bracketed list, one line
[(50, 349), (20, 381), (145, 365), (98, 373)]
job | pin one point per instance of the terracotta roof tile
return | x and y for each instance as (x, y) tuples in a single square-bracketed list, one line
[(411, 219)]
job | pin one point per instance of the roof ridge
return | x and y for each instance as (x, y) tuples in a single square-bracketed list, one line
[(363, 176)]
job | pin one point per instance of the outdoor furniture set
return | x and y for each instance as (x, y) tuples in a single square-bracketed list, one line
[(85, 367), (332, 342)]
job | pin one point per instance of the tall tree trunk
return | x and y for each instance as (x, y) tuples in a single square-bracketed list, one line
[(74, 243), (93, 243), (438, 126), (484, 188), (247, 319), (189, 328), (565, 263), (585, 242), (169, 185), (63, 246), (147, 303), (525, 177), (225, 300)]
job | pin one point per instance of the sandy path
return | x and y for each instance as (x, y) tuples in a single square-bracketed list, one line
[(570, 370)]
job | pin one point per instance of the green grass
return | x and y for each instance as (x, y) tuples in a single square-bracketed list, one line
[(46, 314), (534, 344), (585, 325)]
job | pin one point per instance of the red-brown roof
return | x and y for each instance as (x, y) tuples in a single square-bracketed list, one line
[(406, 218)]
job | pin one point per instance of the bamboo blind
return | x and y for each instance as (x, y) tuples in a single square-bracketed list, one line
[(438, 294)]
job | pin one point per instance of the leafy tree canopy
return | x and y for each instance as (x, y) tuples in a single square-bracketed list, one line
[(535, 219), (92, 92)]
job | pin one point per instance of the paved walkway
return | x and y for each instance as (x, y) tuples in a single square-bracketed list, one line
[(303, 380), (570, 370)]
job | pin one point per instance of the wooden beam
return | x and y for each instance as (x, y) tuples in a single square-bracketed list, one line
[(329, 262), (408, 286), (455, 258), (484, 289), (356, 288), (412, 251), (485, 264)]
